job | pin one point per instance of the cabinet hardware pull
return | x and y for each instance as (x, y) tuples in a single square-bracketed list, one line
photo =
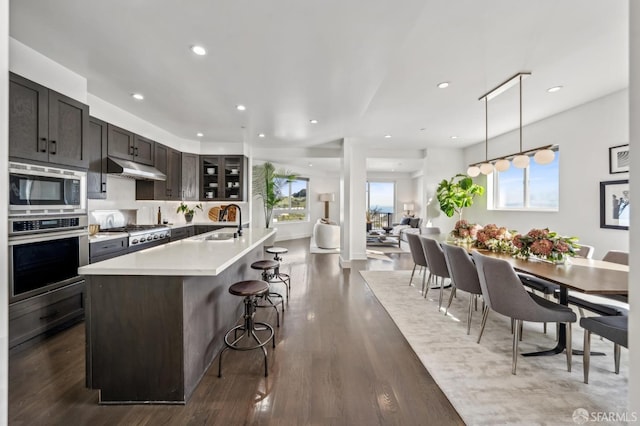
[(51, 315), (45, 145), (104, 186), (130, 150), (54, 151), (136, 151)]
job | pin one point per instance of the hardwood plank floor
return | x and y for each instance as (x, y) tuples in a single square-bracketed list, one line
[(339, 360)]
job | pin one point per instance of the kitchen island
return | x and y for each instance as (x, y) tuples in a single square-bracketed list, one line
[(155, 319)]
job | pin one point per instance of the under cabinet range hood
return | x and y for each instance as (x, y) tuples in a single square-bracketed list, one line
[(130, 169)]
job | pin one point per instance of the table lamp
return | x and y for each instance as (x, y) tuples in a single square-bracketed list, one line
[(408, 208), (326, 198)]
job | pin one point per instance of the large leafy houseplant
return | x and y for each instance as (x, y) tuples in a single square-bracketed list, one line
[(457, 193), (267, 185)]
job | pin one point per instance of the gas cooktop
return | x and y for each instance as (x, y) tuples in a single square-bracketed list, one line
[(143, 235)]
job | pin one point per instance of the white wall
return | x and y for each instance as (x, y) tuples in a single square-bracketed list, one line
[(584, 135), (4, 157)]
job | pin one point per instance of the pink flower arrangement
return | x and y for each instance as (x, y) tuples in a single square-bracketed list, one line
[(464, 230), (544, 244), (494, 238)]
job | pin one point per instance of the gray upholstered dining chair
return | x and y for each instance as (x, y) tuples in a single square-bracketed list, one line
[(464, 276), (430, 230), (585, 251), (616, 256), (614, 329), (503, 293), (437, 264), (417, 253)]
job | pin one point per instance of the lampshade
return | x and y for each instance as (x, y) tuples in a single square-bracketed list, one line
[(544, 156), (473, 171), (407, 207), (486, 168), (520, 161), (328, 196), (502, 165)]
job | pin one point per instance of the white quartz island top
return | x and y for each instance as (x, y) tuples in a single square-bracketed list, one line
[(189, 257)]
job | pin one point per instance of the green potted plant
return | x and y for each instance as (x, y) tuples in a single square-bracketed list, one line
[(188, 211), (457, 193), (267, 185)]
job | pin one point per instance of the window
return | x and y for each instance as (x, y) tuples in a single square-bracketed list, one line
[(292, 206), (536, 187), (381, 202)]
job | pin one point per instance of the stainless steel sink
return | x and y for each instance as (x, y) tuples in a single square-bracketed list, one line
[(219, 237)]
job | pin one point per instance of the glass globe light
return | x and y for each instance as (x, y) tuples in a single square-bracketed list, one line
[(521, 161), (486, 168), (544, 156), (473, 171), (502, 165)]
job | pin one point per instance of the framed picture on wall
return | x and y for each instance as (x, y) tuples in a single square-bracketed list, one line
[(614, 204), (619, 159)]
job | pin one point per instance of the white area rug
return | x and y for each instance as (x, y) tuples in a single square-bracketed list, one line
[(477, 378)]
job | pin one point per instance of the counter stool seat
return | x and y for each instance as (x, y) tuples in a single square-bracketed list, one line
[(277, 275), (268, 268), (249, 290)]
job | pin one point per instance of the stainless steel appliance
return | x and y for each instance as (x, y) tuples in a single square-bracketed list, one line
[(144, 236), (45, 253), (43, 190)]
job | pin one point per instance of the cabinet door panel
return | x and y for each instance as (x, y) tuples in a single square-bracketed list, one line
[(143, 150), (120, 143), (174, 179), (97, 153), (28, 119), (160, 191), (68, 126), (190, 169)]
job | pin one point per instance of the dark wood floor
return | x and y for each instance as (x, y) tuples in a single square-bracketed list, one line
[(339, 360)]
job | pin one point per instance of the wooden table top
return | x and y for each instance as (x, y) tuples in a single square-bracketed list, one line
[(584, 275)]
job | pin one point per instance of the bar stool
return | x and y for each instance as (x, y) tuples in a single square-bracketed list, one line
[(250, 290), (267, 267), (277, 275)]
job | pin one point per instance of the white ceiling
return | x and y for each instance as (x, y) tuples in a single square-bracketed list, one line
[(364, 69)]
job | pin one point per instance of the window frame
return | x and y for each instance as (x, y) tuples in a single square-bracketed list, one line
[(279, 211)]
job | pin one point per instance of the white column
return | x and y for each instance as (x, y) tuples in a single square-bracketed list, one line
[(353, 244), (634, 240)]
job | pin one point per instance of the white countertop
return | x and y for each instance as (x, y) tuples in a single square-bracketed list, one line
[(188, 257)]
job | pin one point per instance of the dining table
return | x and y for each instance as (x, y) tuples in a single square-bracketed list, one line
[(587, 276)]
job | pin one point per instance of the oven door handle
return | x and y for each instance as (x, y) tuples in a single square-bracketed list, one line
[(46, 236)]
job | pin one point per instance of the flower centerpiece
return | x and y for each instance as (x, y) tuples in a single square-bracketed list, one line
[(494, 238), (545, 245), (465, 232)]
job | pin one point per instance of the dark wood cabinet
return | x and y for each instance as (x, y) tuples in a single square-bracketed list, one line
[(97, 153), (103, 250), (181, 233), (48, 312), (45, 125), (190, 171), (203, 229), (169, 162), (223, 178), (129, 146)]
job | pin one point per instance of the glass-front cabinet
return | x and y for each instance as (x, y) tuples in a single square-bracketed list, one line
[(223, 178)]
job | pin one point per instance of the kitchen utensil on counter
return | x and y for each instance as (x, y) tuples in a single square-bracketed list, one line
[(94, 229)]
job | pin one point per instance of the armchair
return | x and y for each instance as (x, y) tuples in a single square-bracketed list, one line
[(326, 234)]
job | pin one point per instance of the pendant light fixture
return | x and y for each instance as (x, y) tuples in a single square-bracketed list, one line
[(521, 159)]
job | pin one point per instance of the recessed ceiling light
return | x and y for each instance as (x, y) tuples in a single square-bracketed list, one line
[(554, 89), (137, 96), (199, 134), (241, 107), (310, 165), (422, 129), (454, 137), (313, 121), (443, 85), (261, 135), (387, 136), (199, 50)]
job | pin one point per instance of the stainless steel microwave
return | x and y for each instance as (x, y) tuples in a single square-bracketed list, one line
[(45, 190)]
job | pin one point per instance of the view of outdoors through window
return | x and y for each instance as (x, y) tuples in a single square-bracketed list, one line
[(293, 203), (380, 202), (536, 187)]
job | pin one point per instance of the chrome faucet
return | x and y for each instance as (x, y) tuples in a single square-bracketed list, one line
[(224, 213)]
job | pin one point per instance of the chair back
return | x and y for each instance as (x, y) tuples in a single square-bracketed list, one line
[(461, 268), (585, 251), (435, 257), (616, 256), (416, 249), (502, 290), (430, 230)]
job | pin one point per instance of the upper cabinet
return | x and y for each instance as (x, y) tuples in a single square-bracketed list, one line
[(97, 152), (190, 171), (46, 126), (129, 146), (169, 162), (223, 178)]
